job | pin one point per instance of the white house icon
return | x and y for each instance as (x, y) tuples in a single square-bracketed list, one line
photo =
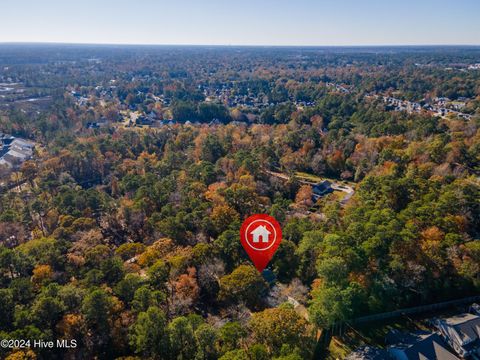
[(260, 232)]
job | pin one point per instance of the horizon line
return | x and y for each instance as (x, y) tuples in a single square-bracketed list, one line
[(232, 45)]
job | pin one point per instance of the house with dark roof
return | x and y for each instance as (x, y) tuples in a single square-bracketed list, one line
[(97, 124), (6, 139), (461, 332), (418, 346), (321, 189), (168, 122), (92, 125), (143, 121)]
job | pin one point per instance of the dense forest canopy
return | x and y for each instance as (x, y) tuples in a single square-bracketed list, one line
[(124, 235)]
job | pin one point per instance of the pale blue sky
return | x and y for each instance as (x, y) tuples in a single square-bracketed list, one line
[(242, 22)]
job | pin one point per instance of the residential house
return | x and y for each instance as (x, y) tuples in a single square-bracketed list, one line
[(16, 157), (461, 332), (418, 346), (321, 189), (19, 151), (97, 124), (441, 101), (143, 121), (13, 152), (6, 139), (21, 144)]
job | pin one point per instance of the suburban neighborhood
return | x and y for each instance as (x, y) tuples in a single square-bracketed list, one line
[(13, 153)]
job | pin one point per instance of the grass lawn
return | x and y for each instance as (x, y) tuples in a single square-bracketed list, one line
[(316, 179), (338, 349)]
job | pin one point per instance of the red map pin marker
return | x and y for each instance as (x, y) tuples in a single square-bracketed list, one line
[(260, 236)]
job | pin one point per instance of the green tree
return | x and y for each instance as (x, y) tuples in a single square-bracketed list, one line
[(235, 355), (71, 296), (112, 268), (211, 149), (125, 288), (285, 262), (148, 335), (332, 303), (158, 274), (181, 334), (206, 337), (284, 328), (22, 290), (7, 307), (47, 311), (230, 248), (244, 284), (242, 198), (145, 297), (42, 251), (258, 352), (96, 308), (231, 334)]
